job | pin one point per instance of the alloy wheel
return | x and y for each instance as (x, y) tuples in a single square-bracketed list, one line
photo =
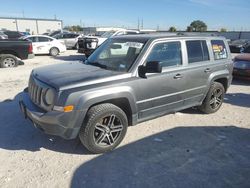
[(216, 98), (107, 131)]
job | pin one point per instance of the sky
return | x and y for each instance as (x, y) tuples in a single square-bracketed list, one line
[(230, 14)]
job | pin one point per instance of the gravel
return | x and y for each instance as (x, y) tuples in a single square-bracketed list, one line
[(186, 149)]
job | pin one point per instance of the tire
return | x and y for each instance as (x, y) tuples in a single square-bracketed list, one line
[(54, 51), (214, 98), (8, 60), (104, 128)]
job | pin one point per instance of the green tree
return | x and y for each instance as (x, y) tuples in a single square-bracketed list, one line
[(189, 29), (74, 28), (172, 29), (223, 30), (198, 25)]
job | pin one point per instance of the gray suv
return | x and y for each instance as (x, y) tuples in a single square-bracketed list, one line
[(127, 80)]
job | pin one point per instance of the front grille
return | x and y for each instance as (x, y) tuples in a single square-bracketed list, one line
[(35, 92)]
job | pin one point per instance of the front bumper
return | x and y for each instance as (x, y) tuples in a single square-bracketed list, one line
[(65, 125)]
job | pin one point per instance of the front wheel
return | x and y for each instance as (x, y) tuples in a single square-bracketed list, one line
[(214, 98), (104, 128)]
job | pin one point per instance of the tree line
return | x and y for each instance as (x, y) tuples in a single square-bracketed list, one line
[(195, 26)]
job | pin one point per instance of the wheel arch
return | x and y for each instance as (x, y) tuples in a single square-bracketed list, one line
[(9, 52), (223, 81), (122, 103), (54, 47), (121, 97)]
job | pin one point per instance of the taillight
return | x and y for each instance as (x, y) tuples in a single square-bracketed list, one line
[(30, 50)]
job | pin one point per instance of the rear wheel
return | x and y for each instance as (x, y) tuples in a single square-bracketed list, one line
[(104, 128), (8, 60), (214, 98), (54, 51)]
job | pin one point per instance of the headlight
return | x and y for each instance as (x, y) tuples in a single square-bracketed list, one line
[(49, 97)]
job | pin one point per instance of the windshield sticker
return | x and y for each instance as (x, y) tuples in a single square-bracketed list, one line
[(134, 44)]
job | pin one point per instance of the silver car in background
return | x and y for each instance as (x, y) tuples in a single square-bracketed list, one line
[(70, 39), (3, 36)]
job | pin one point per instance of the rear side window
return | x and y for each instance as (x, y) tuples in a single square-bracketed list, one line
[(197, 51), (168, 54), (44, 39), (219, 49)]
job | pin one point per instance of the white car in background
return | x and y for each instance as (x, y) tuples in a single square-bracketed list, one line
[(46, 45)]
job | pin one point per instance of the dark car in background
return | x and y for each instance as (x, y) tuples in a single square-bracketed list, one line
[(12, 50), (242, 66), (3, 35), (240, 46), (13, 34)]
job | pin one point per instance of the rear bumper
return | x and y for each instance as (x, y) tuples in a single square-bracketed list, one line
[(53, 122), (87, 52), (30, 56)]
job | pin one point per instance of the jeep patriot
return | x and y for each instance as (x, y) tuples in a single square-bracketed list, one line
[(127, 80)]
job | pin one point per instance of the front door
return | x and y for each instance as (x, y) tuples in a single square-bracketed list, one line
[(160, 93)]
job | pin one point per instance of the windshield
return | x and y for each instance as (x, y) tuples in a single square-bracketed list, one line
[(116, 54), (107, 34)]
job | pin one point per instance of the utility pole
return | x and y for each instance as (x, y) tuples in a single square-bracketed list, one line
[(142, 23), (23, 13), (138, 23)]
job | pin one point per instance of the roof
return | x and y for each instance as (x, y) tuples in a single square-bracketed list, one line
[(38, 19), (154, 36), (28, 36)]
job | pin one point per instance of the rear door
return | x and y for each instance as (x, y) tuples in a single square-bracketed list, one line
[(44, 45), (198, 70)]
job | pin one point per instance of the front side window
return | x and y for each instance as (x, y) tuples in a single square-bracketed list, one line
[(197, 51), (168, 54), (32, 39), (219, 49), (116, 54)]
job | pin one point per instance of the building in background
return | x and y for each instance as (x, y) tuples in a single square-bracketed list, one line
[(31, 25)]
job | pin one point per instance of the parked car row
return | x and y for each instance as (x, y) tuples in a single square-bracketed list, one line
[(88, 44)]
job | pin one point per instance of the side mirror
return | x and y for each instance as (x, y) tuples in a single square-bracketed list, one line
[(151, 67)]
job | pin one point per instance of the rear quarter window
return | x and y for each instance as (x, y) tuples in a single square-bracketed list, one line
[(219, 49)]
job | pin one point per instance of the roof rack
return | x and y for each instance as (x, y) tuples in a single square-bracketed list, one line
[(196, 33)]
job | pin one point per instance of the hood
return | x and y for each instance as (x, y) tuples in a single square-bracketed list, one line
[(66, 74)]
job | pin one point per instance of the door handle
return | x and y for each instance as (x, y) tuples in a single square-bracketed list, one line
[(178, 76), (208, 70)]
